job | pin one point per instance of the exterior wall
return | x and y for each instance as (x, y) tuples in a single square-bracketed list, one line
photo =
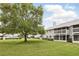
[(67, 33), (76, 33), (49, 34), (62, 33), (7, 36)]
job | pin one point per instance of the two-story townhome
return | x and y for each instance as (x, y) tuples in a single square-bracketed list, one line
[(68, 31)]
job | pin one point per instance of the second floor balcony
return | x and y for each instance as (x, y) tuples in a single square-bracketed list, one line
[(62, 31), (76, 29)]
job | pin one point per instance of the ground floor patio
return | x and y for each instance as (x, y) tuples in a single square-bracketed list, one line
[(67, 38)]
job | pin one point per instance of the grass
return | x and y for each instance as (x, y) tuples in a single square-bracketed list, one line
[(37, 47)]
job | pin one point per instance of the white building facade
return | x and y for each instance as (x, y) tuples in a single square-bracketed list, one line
[(68, 32), (9, 36)]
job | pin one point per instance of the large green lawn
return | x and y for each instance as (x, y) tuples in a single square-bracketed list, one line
[(37, 48)]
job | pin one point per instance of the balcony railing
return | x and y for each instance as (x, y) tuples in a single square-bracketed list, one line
[(76, 29), (63, 31), (57, 31), (60, 31)]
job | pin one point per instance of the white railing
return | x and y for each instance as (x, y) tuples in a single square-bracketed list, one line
[(76, 29), (62, 31)]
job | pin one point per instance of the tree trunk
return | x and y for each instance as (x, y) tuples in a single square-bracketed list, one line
[(2, 37), (25, 37)]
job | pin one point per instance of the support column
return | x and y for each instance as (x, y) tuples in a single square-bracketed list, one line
[(72, 38), (72, 35), (59, 36), (66, 38), (53, 34), (66, 35)]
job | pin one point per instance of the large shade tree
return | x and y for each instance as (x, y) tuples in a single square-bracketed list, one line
[(20, 18)]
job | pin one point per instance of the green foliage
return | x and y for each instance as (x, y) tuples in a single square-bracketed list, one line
[(41, 30), (20, 18)]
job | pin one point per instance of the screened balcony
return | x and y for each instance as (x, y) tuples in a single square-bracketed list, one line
[(76, 29)]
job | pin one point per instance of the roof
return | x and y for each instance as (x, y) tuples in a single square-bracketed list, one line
[(67, 24)]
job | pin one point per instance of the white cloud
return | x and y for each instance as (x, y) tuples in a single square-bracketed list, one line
[(59, 14), (54, 8), (69, 7)]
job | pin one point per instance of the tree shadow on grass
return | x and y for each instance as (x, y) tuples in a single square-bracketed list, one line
[(17, 42), (31, 42)]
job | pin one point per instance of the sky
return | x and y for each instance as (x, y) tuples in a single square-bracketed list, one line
[(57, 13)]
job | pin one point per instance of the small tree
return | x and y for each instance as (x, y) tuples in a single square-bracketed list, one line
[(20, 18), (41, 30)]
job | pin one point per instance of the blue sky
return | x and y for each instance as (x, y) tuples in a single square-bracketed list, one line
[(57, 13)]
